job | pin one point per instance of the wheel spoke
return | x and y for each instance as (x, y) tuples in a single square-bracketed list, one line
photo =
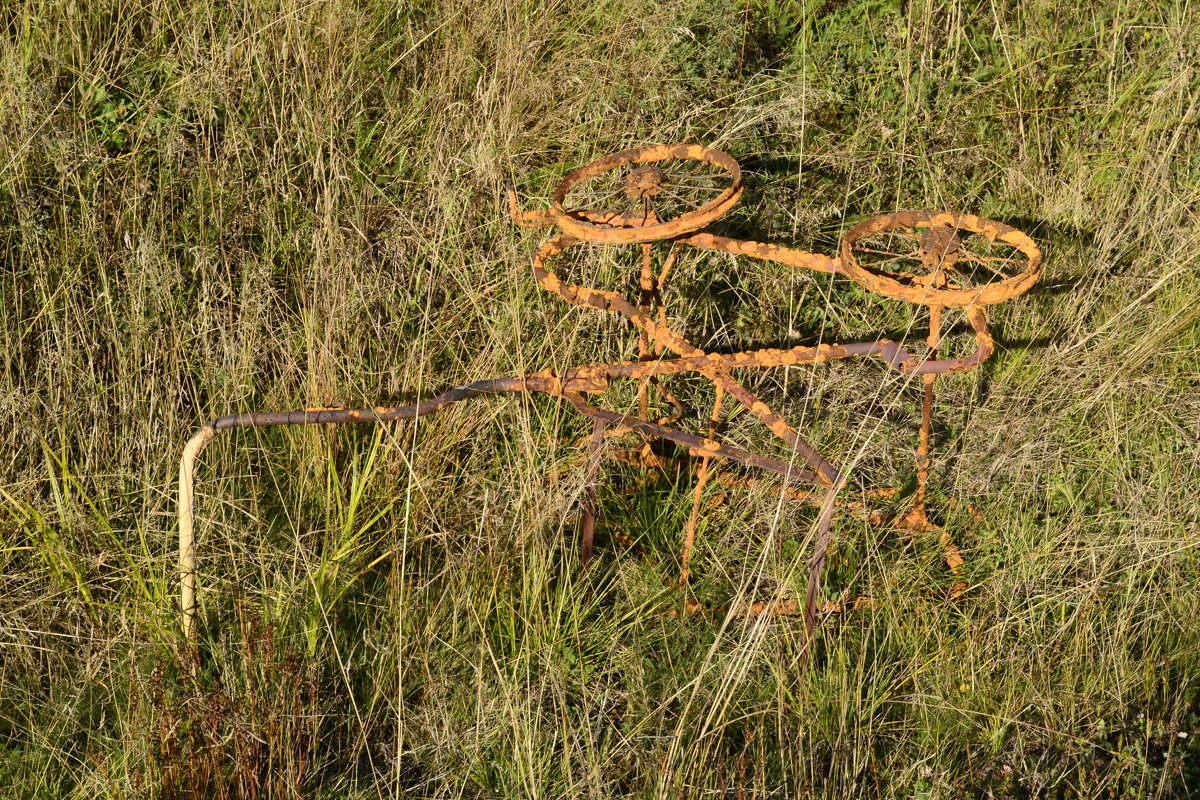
[(648, 210), (983, 261), (578, 196), (676, 196), (711, 189), (693, 182), (876, 264), (913, 256)]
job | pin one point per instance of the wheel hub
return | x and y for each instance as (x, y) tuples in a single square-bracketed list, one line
[(644, 182), (939, 247)]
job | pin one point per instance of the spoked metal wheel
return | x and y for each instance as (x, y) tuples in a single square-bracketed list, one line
[(936, 258), (647, 194)]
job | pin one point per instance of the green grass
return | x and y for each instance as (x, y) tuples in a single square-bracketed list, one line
[(208, 208)]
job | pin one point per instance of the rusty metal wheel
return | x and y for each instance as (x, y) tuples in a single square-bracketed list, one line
[(936, 258), (647, 194)]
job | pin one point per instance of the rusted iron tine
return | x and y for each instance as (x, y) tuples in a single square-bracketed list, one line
[(647, 205)]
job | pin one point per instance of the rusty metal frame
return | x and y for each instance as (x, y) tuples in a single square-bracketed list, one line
[(940, 247)]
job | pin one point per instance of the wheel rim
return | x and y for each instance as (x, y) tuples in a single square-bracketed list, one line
[(647, 194), (938, 258)]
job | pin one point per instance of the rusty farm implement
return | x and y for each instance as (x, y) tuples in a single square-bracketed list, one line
[(667, 196)]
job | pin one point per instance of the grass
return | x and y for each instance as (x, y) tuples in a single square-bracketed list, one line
[(208, 208)]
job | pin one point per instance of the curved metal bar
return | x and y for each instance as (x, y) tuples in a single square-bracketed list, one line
[(317, 416), (545, 382)]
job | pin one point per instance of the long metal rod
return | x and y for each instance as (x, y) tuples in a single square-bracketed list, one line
[(934, 339), (590, 501), (538, 382)]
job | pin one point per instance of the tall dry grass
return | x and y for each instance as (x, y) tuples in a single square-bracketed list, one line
[(207, 208)]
